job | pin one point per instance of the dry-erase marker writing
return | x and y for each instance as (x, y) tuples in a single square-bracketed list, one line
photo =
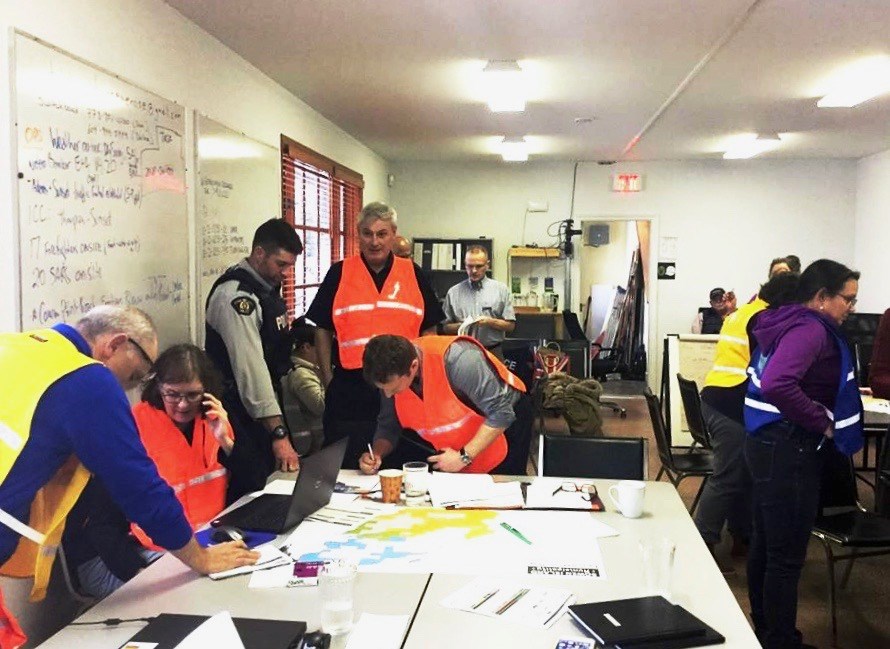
[(519, 535), (485, 599), (518, 596)]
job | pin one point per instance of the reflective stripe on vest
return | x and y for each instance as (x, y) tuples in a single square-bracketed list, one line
[(49, 356), (732, 354), (360, 311), (218, 473), (445, 428)]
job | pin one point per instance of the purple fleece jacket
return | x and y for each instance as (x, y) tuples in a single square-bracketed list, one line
[(802, 377)]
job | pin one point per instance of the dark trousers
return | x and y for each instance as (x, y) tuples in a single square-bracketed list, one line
[(726, 497), (350, 410), (786, 472), (519, 437), (254, 450)]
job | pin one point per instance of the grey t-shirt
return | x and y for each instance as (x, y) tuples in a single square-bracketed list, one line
[(491, 299), (241, 334), (475, 382)]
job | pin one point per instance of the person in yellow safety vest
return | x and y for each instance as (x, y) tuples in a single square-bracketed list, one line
[(726, 497), (67, 416), (459, 398)]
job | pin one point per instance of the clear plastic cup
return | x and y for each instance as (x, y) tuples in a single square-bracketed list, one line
[(336, 585), (658, 565), (417, 476)]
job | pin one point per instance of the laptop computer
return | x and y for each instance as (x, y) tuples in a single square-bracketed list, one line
[(312, 491)]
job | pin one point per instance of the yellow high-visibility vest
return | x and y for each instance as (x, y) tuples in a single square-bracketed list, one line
[(48, 356), (732, 355)]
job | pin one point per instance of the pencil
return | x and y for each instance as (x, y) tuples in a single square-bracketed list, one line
[(518, 596)]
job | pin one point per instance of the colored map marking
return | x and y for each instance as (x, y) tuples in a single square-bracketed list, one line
[(413, 522)]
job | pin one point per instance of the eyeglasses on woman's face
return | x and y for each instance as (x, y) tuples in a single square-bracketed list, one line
[(174, 397)]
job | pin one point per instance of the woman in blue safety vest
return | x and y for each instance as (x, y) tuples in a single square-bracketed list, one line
[(802, 403)]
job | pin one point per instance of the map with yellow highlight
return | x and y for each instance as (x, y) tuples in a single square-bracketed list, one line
[(412, 540)]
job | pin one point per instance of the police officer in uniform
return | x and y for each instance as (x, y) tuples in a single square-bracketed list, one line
[(363, 296), (246, 335)]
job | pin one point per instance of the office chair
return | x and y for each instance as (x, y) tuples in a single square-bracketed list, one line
[(677, 467), (601, 360), (692, 407), (848, 525), (615, 458)]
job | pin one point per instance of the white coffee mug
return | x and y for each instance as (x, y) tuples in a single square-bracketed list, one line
[(630, 497)]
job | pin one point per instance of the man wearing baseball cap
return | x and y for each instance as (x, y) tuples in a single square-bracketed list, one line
[(709, 319)]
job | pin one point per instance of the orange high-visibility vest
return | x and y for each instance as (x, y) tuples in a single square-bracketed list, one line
[(48, 356), (192, 471), (440, 417), (361, 312)]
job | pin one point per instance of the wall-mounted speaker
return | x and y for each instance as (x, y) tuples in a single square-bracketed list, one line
[(596, 234)]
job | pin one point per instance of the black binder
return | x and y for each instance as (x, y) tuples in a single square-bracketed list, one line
[(644, 622), (169, 629)]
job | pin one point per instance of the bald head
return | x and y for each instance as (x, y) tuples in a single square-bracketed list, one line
[(401, 247)]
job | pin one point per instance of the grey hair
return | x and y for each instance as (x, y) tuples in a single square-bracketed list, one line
[(106, 318), (377, 211)]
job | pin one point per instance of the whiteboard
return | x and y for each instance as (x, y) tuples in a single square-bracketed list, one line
[(239, 187), (102, 212), (692, 355)]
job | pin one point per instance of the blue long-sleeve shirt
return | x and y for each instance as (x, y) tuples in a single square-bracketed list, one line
[(86, 413)]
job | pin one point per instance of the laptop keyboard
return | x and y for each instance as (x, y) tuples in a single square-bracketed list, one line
[(268, 514)]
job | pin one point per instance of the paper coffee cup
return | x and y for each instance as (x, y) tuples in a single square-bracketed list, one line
[(391, 485)]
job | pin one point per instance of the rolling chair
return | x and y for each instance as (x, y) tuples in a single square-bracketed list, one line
[(692, 407), (677, 467), (604, 361), (615, 458)]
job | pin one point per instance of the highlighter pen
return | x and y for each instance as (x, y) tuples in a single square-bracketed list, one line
[(515, 532)]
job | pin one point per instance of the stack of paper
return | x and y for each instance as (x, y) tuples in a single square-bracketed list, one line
[(270, 557), (473, 491)]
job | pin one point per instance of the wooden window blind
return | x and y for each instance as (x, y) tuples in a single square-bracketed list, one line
[(322, 200)]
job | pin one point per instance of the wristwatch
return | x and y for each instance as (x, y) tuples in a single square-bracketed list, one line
[(279, 432), (464, 456)]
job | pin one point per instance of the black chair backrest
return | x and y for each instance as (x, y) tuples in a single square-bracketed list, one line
[(838, 481), (573, 325), (659, 429), (882, 488), (519, 357), (692, 407), (862, 353), (615, 458)]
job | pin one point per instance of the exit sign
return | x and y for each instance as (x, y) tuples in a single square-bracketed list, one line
[(627, 182)]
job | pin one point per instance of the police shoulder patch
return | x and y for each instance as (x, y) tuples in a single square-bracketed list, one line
[(244, 305)]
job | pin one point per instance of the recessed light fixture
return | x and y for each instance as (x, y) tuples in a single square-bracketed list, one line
[(858, 83), (504, 87), (752, 145), (514, 149)]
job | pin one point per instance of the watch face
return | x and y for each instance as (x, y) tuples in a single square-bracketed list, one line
[(279, 432)]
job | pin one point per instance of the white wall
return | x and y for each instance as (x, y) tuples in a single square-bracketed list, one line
[(153, 46), (872, 243), (730, 218)]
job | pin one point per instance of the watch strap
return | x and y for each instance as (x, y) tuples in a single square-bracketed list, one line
[(464, 456), (279, 432)]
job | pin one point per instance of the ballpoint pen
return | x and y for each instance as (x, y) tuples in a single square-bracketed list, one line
[(503, 609), (519, 535), (371, 451), (485, 599)]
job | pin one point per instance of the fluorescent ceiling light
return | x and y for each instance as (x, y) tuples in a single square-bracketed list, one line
[(514, 149), (504, 87), (857, 83), (752, 145)]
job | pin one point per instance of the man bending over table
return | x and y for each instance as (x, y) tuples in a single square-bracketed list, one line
[(457, 396)]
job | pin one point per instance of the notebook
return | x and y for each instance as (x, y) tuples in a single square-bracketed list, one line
[(169, 629), (627, 622), (312, 491)]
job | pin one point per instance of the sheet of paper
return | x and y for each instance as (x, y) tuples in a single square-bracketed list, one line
[(357, 483), (217, 631), (280, 487), (270, 557), (501, 495), (378, 631), (452, 488), (510, 600), (540, 494), (352, 513)]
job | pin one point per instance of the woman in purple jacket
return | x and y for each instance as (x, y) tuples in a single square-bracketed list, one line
[(800, 397)]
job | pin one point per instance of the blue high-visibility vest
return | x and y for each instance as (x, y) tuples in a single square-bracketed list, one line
[(847, 414)]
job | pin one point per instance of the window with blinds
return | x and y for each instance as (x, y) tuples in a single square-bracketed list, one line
[(322, 200)]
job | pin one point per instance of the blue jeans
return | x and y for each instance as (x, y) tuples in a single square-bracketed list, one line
[(726, 497), (96, 580), (786, 471)]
